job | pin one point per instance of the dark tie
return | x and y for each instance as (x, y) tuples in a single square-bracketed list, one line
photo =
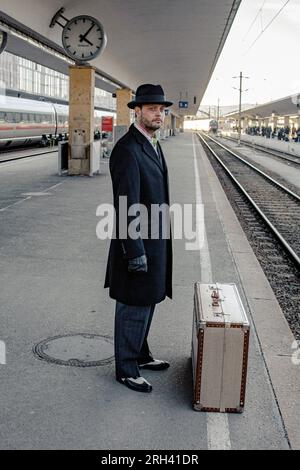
[(154, 143), (159, 154)]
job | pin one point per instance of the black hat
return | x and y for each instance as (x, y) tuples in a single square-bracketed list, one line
[(149, 94)]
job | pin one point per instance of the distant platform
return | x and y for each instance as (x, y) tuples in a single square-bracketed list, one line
[(290, 148)]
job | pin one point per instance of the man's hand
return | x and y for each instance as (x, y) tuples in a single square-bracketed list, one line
[(138, 264)]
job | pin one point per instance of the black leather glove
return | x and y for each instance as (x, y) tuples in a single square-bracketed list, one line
[(138, 264)]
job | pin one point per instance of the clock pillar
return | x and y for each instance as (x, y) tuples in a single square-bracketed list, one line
[(81, 118), (124, 114)]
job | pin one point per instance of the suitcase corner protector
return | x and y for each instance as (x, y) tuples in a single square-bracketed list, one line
[(197, 406)]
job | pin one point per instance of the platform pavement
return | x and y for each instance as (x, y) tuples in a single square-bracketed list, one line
[(52, 273), (284, 168)]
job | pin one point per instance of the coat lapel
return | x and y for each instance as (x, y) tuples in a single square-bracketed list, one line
[(150, 151), (165, 168), (147, 147)]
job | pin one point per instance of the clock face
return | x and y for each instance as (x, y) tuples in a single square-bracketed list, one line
[(83, 38)]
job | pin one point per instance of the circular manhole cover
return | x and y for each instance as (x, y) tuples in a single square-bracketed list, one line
[(80, 350)]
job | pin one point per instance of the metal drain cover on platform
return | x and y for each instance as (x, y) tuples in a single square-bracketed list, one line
[(80, 350)]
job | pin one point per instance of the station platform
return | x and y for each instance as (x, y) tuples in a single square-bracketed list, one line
[(285, 169), (290, 148), (52, 275)]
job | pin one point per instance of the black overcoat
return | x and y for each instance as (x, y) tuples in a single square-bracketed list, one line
[(137, 172)]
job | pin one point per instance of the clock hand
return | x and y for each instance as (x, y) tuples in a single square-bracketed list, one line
[(86, 40), (82, 37)]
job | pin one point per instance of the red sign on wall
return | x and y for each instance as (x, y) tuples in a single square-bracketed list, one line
[(107, 123)]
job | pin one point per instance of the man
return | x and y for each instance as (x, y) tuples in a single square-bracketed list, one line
[(139, 269)]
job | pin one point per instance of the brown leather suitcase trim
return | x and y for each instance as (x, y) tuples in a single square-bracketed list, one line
[(217, 410), (222, 325), (199, 366), (245, 367)]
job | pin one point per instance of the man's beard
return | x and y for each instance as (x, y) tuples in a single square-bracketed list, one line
[(150, 125)]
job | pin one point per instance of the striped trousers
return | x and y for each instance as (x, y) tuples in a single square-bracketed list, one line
[(132, 325)]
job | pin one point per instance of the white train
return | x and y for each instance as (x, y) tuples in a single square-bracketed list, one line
[(24, 122)]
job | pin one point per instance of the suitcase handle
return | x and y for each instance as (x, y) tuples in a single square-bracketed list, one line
[(215, 298)]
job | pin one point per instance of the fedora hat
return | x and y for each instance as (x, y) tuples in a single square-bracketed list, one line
[(149, 94)]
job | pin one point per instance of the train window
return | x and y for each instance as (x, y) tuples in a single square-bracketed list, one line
[(17, 117), (31, 117), (9, 117), (38, 118), (2, 116)]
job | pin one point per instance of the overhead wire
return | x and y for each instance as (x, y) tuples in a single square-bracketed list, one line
[(253, 22), (269, 24)]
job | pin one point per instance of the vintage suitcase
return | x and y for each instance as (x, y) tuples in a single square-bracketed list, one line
[(219, 348)]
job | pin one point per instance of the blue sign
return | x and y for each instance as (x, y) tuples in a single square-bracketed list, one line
[(183, 104)]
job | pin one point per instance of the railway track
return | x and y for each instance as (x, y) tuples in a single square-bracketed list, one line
[(270, 216)]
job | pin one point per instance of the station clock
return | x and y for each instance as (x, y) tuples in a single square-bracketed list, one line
[(83, 38)]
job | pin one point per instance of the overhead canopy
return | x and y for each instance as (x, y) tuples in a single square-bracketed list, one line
[(171, 42), (288, 106)]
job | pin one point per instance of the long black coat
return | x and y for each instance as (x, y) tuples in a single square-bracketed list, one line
[(137, 173)]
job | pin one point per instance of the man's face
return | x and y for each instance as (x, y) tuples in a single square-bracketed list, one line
[(150, 116)]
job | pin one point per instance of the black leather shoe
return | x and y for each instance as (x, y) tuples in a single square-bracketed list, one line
[(155, 364), (138, 384)]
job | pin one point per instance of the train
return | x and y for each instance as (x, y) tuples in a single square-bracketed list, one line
[(28, 122), (213, 126)]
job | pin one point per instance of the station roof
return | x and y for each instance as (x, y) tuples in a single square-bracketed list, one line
[(171, 42), (288, 106)]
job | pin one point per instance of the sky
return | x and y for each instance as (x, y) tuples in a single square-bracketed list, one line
[(272, 63)]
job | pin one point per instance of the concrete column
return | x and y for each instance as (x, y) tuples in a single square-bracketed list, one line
[(181, 123), (274, 121), (81, 118), (173, 124), (124, 96), (167, 125), (286, 121), (178, 123), (237, 125), (124, 114)]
